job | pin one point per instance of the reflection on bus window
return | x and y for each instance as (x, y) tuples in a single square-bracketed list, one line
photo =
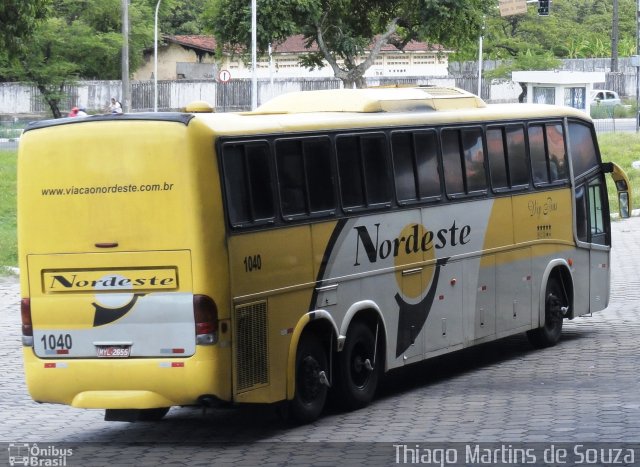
[(427, 156), (583, 150), (474, 160), (581, 214), (538, 155), (497, 161), (557, 152), (452, 163), (517, 156), (463, 158)]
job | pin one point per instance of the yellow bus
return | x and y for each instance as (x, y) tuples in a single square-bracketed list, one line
[(307, 247)]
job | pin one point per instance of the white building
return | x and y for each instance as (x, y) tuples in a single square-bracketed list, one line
[(193, 57), (568, 88)]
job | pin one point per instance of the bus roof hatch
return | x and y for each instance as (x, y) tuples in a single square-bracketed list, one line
[(383, 99)]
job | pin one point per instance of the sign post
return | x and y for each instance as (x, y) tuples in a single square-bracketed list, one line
[(224, 76)]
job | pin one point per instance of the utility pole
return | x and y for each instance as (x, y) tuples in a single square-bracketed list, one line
[(254, 72), (126, 89), (614, 38), (155, 59), (480, 58), (637, 65)]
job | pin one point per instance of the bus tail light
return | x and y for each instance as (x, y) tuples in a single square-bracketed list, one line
[(205, 313), (27, 325)]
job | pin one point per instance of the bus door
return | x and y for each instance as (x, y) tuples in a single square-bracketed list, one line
[(593, 227)]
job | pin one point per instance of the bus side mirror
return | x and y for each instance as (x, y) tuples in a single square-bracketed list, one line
[(623, 203)]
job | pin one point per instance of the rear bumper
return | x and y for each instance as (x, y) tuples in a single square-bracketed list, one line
[(128, 383)]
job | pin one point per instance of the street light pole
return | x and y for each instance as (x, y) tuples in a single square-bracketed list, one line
[(480, 59), (637, 66), (126, 90), (254, 77), (155, 59)]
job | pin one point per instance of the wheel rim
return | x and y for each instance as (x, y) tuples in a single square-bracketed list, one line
[(554, 311), (309, 379), (359, 372)]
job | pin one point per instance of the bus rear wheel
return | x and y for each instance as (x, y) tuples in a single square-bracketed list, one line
[(358, 370), (549, 334), (311, 380)]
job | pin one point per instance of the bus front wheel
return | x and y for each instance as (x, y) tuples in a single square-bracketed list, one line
[(358, 367), (549, 334), (311, 380)]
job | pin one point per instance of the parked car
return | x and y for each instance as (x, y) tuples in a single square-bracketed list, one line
[(605, 97)]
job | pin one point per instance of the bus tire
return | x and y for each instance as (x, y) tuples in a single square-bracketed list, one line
[(549, 334), (357, 379), (310, 392)]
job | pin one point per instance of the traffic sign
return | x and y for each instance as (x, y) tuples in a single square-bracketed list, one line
[(512, 7), (224, 76)]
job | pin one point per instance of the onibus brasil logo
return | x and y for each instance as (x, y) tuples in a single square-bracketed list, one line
[(34, 455)]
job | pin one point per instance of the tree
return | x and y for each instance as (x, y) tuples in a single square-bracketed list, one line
[(524, 61), (349, 33), (179, 17), (18, 19), (82, 40)]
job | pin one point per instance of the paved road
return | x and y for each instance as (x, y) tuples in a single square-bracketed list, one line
[(498, 400)]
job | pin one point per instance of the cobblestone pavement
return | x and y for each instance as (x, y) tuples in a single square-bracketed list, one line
[(501, 397)]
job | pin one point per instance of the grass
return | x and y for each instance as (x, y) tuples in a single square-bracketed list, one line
[(621, 148), (8, 240)]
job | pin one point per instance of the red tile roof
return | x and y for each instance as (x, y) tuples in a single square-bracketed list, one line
[(204, 43), (296, 44), (293, 44)]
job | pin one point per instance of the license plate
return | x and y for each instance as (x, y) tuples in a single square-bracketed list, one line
[(113, 351)]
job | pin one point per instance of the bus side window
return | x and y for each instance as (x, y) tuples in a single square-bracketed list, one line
[(516, 156), (305, 179), (557, 152), (497, 161), (291, 177), (475, 174), (451, 161), (248, 182), (463, 159), (404, 166), (426, 145), (415, 162), (363, 170), (350, 170), (319, 175), (581, 214), (591, 223), (538, 155), (597, 225)]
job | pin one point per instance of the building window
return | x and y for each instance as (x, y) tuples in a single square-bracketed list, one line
[(544, 95)]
